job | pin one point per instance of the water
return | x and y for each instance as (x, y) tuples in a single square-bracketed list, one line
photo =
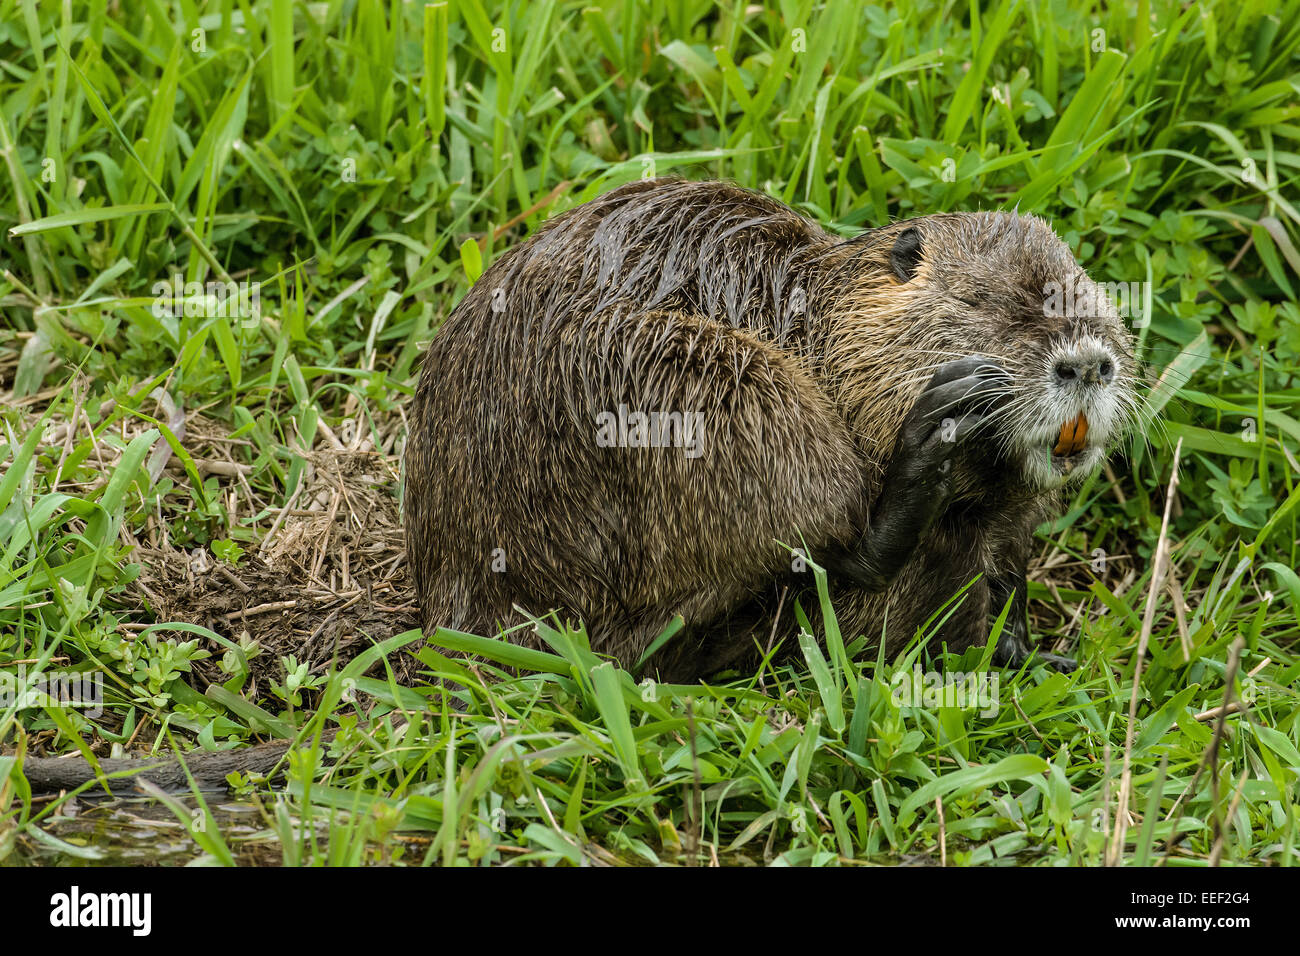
[(139, 831)]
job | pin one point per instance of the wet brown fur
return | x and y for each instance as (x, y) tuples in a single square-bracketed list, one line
[(804, 353)]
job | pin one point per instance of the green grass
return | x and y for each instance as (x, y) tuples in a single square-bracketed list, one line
[(365, 161)]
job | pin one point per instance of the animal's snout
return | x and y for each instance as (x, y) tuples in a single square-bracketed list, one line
[(1088, 366)]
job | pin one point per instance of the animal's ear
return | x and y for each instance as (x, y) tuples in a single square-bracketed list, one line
[(906, 254)]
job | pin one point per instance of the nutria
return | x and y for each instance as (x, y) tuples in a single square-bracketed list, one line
[(639, 411)]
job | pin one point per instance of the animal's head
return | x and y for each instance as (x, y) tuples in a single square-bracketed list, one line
[(1006, 286)]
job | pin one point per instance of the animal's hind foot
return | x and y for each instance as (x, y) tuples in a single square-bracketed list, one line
[(1014, 653)]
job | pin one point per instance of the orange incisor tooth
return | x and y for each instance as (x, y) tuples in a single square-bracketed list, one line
[(1073, 434)]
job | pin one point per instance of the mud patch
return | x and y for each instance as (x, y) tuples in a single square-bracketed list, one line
[(319, 573), (327, 580)]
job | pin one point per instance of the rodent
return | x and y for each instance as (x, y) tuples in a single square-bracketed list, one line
[(903, 406), (899, 404)]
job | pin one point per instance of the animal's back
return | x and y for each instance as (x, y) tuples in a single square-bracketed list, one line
[(657, 298)]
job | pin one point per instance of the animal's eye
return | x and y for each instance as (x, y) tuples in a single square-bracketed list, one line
[(974, 301)]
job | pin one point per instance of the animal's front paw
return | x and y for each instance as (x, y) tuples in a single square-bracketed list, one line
[(918, 481), (960, 398)]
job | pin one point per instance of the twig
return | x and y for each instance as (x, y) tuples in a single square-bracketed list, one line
[(943, 830), (1015, 702), (270, 535), (229, 576), (694, 830), (1144, 638), (1217, 850), (538, 206), (771, 638), (1114, 483), (261, 609), (1223, 710), (1212, 751), (1180, 614)]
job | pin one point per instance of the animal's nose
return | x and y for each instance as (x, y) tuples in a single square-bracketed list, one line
[(1094, 368)]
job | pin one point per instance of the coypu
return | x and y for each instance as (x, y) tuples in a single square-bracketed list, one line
[(636, 412), (633, 413)]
